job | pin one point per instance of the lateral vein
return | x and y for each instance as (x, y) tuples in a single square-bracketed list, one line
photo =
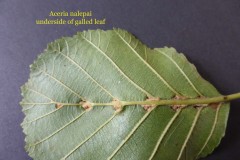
[(150, 67), (57, 131), (45, 115), (84, 71), (190, 132), (115, 65), (130, 134), (90, 136), (168, 126), (61, 83), (181, 71), (211, 132)]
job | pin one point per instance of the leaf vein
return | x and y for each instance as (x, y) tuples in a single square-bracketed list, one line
[(26, 109), (211, 132), (130, 134), (190, 132), (65, 86), (181, 71), (84, 71), (90, 136), (45, 115), (33, 90), (168, 126), (57, 131), (115, 65), (148, 65)]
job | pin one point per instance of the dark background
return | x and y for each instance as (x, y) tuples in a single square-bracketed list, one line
[(207, 31)]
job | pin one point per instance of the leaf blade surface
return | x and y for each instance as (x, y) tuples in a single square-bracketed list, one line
[(98, 67)]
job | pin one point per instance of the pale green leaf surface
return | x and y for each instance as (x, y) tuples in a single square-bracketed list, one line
[(99, 66)]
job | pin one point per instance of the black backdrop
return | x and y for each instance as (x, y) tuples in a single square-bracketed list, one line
[(207, 31)]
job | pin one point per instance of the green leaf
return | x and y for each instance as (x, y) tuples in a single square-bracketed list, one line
[(94, 96)]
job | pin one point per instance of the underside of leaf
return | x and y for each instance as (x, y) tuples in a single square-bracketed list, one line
[(75, 102)]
